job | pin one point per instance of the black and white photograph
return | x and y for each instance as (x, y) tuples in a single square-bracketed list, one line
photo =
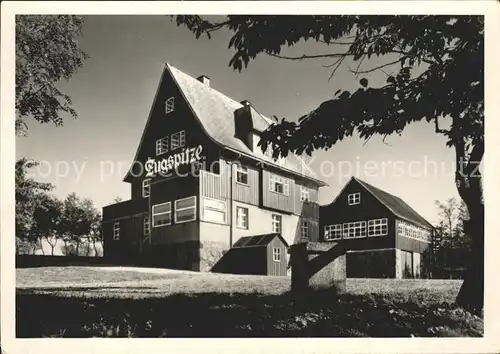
[(167, 174)]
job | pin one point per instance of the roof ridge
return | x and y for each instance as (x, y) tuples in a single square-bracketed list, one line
[(269, 121), (207, 87), (375, 189)]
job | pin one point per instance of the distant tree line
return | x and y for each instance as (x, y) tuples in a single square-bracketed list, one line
[(73, 223), (451, 246)]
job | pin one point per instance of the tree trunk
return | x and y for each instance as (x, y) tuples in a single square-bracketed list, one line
[(95, 248), (471, 295), (41, 247), (52, 246)]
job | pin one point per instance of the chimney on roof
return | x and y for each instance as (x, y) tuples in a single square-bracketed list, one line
[(204, 79)]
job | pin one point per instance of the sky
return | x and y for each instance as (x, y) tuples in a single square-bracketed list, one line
[(114, 91)]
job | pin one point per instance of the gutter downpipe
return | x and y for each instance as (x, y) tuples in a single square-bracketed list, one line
[(231, 218)]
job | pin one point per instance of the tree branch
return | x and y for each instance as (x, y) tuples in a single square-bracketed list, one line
[(440, 131), (304, 56), (383, 140), (359, 64), (357, 72), (335, 42), (408, 55), (216, 26), (338, 62)]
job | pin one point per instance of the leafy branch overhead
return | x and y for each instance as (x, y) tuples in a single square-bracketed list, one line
[(436, 66), (47, 51), (438, 62)]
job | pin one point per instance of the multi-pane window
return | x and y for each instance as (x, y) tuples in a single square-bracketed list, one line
[(278, 184), (304, 194), (147, 226), (354, 229), (242, 174), (146, 187), (178, 140), (276, 223), (162, 145), (169, 105), (333, 232), (162, 214), (214, 210), (407, 229), (378, 227), (401, 229), (276, 254), (242, 217), (185, 210), (304, 230), (116, 231), (354, 198)]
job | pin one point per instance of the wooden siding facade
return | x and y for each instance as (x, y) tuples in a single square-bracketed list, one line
[(279, 267), (215, 180), (369, 208), (257, 191), (370, 248)]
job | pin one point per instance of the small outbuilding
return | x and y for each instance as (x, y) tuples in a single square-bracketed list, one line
[(257, 255)]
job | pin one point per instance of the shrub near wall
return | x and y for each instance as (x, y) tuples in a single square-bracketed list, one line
[(371, 264)]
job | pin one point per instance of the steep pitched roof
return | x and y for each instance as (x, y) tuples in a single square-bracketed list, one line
[(257, 240), (395, 204), (215, 112)]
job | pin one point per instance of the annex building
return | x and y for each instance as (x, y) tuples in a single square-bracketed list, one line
[(383, 236)]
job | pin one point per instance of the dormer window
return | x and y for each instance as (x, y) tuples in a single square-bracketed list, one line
[(178, 140), (354, 198), (162, 145), (242, 175), (169, 105)]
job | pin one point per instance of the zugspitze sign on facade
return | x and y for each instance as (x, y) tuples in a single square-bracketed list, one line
[(163, 166)]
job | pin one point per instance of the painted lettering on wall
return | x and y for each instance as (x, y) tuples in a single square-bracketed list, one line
[(163, 166)]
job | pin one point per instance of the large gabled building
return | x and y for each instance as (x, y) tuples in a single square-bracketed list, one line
[(199, 182), (383, 236)]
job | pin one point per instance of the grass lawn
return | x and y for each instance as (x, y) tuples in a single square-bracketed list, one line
[(127, 302)]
